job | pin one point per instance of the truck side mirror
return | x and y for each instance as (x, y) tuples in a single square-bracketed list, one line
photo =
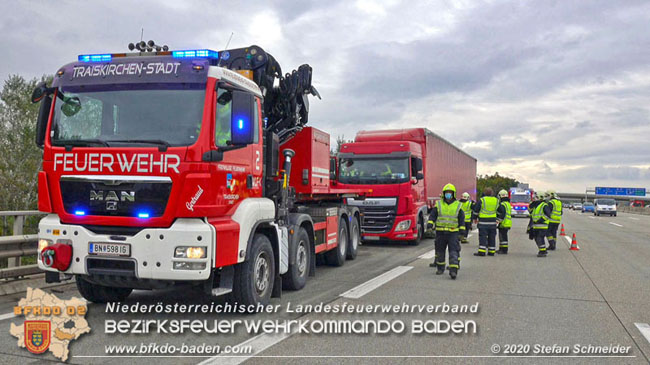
[(39, 92), (41, 121), (419, 175), (242, 125)]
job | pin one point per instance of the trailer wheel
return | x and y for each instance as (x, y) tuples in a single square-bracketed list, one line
[(355, 238), (253, 281), (336, 257), (99, 293), (296, 277), (420, 227)]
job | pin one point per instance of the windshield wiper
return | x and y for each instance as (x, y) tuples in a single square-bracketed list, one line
[(80, 143), (162, 145)]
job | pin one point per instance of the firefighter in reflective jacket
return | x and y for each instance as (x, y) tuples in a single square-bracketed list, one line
[(539, 219), (448, 218), (466, 205), (556, 217), (487, 210), (506, 221)]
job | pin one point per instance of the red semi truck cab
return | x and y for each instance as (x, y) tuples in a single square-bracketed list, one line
[(404, 170)]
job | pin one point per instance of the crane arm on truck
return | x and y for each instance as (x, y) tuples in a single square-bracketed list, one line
[(286, 106)]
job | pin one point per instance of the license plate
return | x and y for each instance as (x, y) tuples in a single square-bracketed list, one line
[(371, 238), (109, 249)]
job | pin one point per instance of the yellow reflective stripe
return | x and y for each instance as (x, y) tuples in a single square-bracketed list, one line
[(452, 266)]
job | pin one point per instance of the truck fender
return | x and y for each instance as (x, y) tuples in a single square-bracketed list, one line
[(296, 221), (250, 214), (424, 211)]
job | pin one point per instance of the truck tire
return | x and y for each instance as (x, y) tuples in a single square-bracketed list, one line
[(99, 293), (296, 277), (253, 281), (355, 238), (336, 257), (420, 227)]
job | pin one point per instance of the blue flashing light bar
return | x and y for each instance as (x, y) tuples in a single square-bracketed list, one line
[(241, 124), (95, 57), (143, 215), (194, 53), (79, 212)]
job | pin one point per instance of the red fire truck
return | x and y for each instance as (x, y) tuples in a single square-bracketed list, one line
[(520, 199), (405, 170), (191, 167)]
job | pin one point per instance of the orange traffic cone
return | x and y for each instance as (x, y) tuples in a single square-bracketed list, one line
[(574, 244), (562, 233)]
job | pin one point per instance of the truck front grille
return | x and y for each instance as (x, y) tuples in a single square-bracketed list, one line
[(378, 219)]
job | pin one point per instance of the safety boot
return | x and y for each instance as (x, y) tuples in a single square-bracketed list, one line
[(479, 253), (551, 246), (441, 270), (542, 253), (453, 272)]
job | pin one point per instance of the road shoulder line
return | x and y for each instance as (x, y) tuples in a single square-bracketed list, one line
[(372, 284)]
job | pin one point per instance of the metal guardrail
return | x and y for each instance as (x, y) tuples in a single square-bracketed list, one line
[(14, 247)]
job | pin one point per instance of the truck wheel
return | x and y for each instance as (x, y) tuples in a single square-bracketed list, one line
[(420, 228), (253, 281), (336, 257), (99, 293), (355, 238), (296, 277)]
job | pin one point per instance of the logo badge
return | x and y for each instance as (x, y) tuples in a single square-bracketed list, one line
[(37, 336)]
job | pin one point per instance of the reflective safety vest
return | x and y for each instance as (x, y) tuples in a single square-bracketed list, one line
[(556, 214), (540, 220), (447, 216), (507, 221), (467, 208), (489, 205)]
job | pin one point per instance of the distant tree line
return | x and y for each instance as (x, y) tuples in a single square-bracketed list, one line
[(496, 182)]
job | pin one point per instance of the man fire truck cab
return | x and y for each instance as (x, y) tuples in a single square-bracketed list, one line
[(163, 168)]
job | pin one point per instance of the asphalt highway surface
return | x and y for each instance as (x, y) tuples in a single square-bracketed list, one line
[(529, 309)]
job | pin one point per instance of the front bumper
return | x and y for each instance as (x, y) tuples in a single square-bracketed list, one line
[(519, 213), (152, 250), (409, 234)]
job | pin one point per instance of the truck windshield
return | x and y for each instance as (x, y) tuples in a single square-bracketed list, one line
[(520, 198), (372, 171), (160, 114)]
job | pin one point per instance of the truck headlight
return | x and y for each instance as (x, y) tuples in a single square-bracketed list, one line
[(43, 243), (403, 226), (190, 252)]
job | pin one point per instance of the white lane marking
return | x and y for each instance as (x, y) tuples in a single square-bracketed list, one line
[(258, 344), (372, 284), (6, 316), (568, 239), (636, 219), (615, 224), (428, 255), (644, 328), (592, 217)]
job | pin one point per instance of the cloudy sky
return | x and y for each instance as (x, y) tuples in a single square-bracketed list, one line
[(554, 93)]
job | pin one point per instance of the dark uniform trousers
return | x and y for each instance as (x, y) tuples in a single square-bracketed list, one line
[(503, 238), (487, 233), (447, 241), (540, 235), (551, 234)]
